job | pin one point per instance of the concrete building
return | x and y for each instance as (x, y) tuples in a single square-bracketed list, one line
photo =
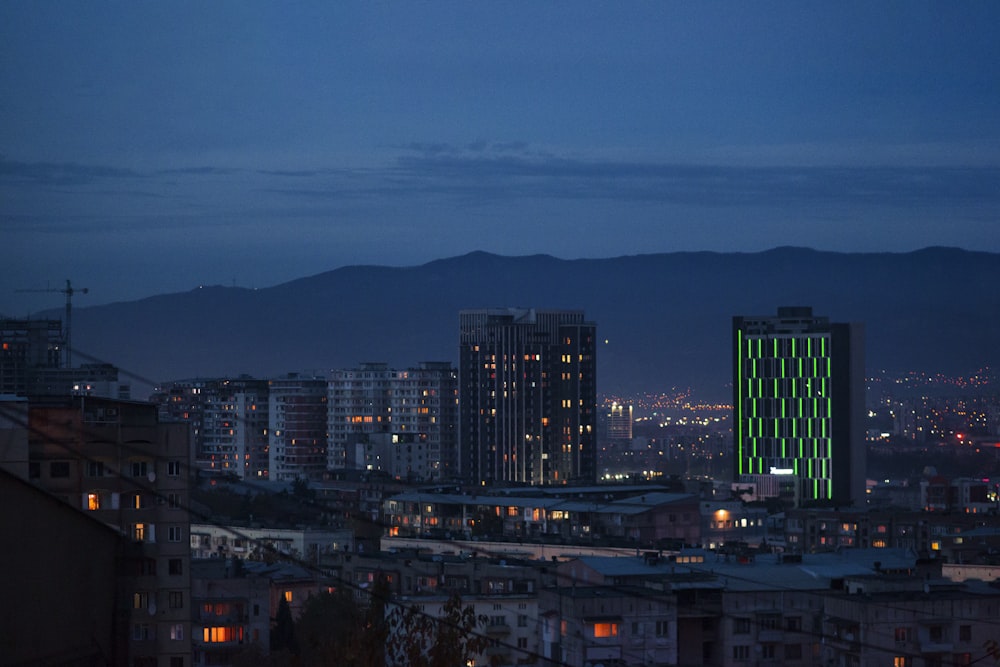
[(401, 422), (61, 584), (14, 435), (694, 608), (228, 542), (528, 400), (231, 608), (28, 347), (233, 437), (798, 400), (596, 513), (117, 462), (297, 436)]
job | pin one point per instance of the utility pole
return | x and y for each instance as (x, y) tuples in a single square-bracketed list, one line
[(68, 323)]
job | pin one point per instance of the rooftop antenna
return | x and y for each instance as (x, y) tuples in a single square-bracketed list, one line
[(68, 324)]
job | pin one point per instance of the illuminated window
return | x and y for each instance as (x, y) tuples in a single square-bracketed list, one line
[(93, 501), (219, 634), (605, 629), (177, 631), (139, 532), (288, 596), (140, 600), (137, 501)]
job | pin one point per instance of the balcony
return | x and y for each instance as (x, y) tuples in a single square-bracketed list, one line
[(498, 629), (936, 646)]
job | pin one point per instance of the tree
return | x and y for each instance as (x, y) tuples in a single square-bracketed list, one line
[(334, 629), (283, 632), (419, 640)]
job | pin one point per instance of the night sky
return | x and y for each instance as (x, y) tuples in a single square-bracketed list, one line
[(152, 147)]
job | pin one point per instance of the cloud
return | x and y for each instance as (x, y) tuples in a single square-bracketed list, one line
[(59, 173)]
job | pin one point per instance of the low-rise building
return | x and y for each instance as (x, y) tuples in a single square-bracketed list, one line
[(243, 542)]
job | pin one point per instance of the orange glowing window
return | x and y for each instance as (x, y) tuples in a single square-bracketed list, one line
[(605, 629), (219, 634), (288, 596), (93, 501)]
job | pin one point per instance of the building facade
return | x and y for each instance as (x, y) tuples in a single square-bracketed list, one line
[(233, 435), (798, 401), (402, 422), (620, 422), (528, 396), (297, 435), (115, 461)]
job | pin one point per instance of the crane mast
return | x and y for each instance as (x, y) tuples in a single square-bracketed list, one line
[(69, 291)]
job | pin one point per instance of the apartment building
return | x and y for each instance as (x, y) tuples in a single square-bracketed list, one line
[(400, 422), (115, 461)]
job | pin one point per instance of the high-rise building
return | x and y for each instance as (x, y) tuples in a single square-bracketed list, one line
[(798, 402), (402, 422), (233, 438), (528, 396), (620, 422), (297, 434), (28, 347)]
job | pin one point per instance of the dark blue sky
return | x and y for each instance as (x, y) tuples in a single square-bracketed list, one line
[(152, 147)]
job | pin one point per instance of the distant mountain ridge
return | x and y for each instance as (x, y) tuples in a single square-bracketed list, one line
[(666, 316)]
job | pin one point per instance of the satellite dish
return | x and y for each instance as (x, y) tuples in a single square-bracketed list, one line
[(151, 476)]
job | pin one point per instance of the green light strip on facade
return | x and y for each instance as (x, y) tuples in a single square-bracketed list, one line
[(739, 398)]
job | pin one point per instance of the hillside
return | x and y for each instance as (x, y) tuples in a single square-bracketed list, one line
[(666, 317)]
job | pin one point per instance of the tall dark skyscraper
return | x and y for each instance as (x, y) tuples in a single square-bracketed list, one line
[(528, 397), (798, 402)]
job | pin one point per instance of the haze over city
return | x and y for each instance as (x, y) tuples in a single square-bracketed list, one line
[(150, 149)]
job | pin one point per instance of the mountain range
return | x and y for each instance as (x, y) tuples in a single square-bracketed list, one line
[(664, 320)]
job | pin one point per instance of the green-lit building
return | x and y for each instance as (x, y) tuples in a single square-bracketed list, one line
[(798, 403)]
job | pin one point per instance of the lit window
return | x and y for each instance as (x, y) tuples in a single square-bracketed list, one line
[(219, 634), (139, 532), (177, 631), (93, 501), (288, 596), (605, 629)]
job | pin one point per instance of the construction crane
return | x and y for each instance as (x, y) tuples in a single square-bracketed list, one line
[(69, 291)]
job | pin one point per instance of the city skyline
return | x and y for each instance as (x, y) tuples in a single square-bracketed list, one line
[(149, 150)]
